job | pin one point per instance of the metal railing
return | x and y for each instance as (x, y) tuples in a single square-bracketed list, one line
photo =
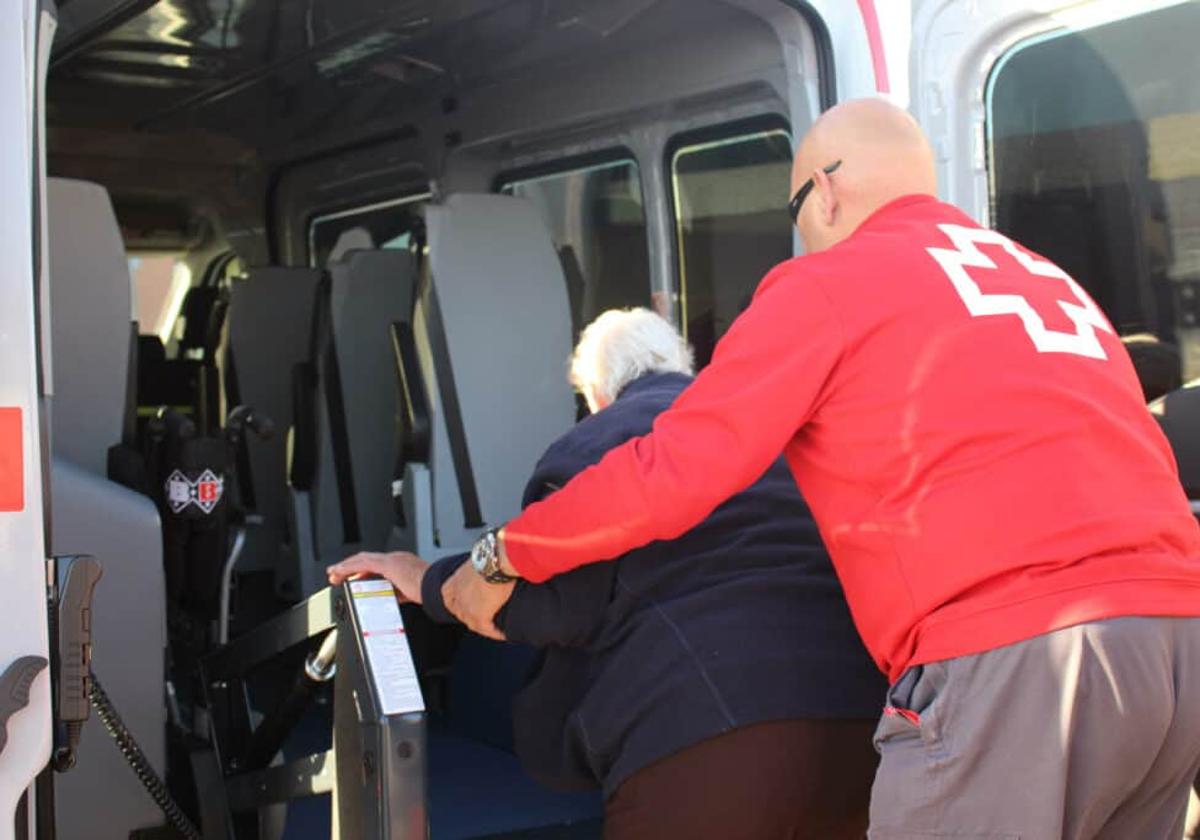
[(376, 768)]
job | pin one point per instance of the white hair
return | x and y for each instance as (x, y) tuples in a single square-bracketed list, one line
[(622, 345)]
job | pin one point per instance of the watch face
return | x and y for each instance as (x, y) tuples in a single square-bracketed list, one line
[(479, 557)]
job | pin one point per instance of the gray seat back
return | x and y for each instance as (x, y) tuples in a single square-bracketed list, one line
[(90, 347), (370, 291), (356, 403), (494, 315), (270, 324), (90, 326)]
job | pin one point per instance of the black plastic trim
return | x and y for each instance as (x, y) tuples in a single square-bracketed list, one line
[(758, 124), (826, 70), (326, 359), (565, 165), (303, 467), (456, 434), (744, 127), (414, 444), (281, 171), (357, 207)]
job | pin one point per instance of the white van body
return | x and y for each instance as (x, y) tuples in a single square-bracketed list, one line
[(229, 142)]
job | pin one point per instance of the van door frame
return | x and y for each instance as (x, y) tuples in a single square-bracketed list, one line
[(955, 49), (23, 627)]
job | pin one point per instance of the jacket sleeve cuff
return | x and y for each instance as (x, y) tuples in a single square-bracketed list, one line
[(431, 588), (519, 550)]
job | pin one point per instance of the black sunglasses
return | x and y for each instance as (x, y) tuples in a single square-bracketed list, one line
[(805, 189)]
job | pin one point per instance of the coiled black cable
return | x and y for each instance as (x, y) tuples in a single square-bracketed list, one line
[(137, 760)]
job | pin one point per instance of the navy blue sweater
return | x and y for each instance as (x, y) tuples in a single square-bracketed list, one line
[(739, 621)]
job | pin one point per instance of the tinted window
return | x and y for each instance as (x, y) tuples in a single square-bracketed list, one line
[(1094, 165), (598, 224), (731, 226), (387, 224), (160, 283)]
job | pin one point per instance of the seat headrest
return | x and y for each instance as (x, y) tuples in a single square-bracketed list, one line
[(354, 239), (91, 312)]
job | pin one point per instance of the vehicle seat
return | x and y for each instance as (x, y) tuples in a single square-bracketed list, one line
[(189, 383), (90, 325), (269, 328), (344, 451), (492, 334)]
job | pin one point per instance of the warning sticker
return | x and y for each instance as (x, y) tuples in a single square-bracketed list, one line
[(12, 471), (388, 655)]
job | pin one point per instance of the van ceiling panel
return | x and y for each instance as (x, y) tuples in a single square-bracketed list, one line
[(259, 69), (200, 103)]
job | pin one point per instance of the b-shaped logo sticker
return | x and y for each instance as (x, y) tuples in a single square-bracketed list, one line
[(1081, 311), (205, 492)]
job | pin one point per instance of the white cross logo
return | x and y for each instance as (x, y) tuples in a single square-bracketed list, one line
[(1086, 316)]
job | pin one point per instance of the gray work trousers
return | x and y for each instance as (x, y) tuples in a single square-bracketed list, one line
[(1092, 731)]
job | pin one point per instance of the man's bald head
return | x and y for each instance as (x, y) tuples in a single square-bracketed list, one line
[(884, 155)]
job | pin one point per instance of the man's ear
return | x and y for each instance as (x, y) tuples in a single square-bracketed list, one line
[(825, 196)]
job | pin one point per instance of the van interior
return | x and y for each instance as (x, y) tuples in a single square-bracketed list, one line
[(315, 272)]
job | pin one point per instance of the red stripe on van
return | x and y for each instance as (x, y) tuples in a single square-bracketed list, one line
[(875, 42), (12, 472)]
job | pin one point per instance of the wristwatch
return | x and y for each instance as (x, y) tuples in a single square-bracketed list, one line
[(485, 557)]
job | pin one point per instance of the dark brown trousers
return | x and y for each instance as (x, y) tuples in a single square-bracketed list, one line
[(784, 780)]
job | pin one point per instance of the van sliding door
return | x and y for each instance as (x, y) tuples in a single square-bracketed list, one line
[(24, 41)]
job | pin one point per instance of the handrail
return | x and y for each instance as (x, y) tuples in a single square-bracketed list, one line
[(299, 624)]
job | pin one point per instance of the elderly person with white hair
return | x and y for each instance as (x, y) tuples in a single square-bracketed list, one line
[(713, 685)]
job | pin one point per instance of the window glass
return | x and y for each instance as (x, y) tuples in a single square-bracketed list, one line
[(387, 224), (598, 224), (1095, 165), (731, 226), (159, 282)]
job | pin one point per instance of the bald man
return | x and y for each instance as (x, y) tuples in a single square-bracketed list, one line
[(1001, 508)]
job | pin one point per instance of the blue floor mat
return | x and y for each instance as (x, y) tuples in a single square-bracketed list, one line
[(310, 818), (474, 791), (478, 791)]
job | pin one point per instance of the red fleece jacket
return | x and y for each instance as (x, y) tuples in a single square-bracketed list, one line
[(964, 422)]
